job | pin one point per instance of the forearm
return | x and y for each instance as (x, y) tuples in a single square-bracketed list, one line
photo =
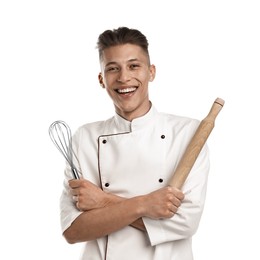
[(100, 222), (139, 224), (107, 213)]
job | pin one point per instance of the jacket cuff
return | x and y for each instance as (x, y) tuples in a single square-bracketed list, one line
[(155, 231)]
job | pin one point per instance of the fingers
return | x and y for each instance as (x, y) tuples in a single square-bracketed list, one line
[(176, 201), (74, 183), (78, 204), (75, 188), (79, 207), (168, 211), (86, 195), (162, 203), (175, 197), (75, 192), (177, 193), (173, 209)]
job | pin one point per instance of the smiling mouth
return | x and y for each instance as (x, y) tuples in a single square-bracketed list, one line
[(126, 90)]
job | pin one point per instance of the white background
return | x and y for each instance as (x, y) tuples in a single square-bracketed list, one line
[(48, 71)]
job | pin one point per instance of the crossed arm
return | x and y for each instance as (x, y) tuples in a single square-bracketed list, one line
[(104, 213)]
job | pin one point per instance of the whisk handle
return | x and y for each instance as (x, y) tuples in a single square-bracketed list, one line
[(75, 173)]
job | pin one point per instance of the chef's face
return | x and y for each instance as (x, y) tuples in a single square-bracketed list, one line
[(125, 74)]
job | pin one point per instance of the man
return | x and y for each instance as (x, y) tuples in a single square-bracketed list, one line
[(122, 207)]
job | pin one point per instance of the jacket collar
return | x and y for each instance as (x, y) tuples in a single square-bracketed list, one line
[(144, 121)]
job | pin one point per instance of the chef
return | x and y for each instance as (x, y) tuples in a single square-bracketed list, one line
[(122, 208)]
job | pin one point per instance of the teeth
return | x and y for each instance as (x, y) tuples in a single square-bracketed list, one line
[(126, 90)]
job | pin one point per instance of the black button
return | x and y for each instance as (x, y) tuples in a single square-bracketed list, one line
[(160, 180), (162, 136), (107, 184), (104, 141)]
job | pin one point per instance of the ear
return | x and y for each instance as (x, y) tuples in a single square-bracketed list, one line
[(152, 73), (100, 79)]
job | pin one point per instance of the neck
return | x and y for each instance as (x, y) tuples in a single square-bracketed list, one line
[(138, 112)]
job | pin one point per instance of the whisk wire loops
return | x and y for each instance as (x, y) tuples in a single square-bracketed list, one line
[(60, 135)]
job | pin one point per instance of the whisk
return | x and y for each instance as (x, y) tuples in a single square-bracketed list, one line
[(60, 135)]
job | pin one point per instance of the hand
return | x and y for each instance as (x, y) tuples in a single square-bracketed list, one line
[(87, 195), (162, 203)]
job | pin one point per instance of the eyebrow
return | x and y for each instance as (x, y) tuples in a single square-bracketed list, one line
[(111, 63), (114, 62)]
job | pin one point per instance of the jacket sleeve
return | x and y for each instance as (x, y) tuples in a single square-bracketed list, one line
[(185, 222), (68, 211)]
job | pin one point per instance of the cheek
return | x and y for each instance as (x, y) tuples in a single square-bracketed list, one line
[(146, 80), (109, 80), (144, 77), (110, 92)]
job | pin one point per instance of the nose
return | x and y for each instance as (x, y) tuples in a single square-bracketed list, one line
[(124, 75)]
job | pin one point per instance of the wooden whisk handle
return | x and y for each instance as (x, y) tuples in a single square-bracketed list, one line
[(196, 144)]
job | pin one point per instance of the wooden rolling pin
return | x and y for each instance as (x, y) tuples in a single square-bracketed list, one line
[(196, 144)]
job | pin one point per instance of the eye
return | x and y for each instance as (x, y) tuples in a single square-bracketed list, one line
[(112, 69), (134, 66)]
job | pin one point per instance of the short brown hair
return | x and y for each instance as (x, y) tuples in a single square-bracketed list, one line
[(122, 35)]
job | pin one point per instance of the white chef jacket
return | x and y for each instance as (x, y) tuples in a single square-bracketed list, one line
[(135, 158)]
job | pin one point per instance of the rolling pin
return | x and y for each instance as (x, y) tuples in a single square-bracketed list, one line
[(195, 145)]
